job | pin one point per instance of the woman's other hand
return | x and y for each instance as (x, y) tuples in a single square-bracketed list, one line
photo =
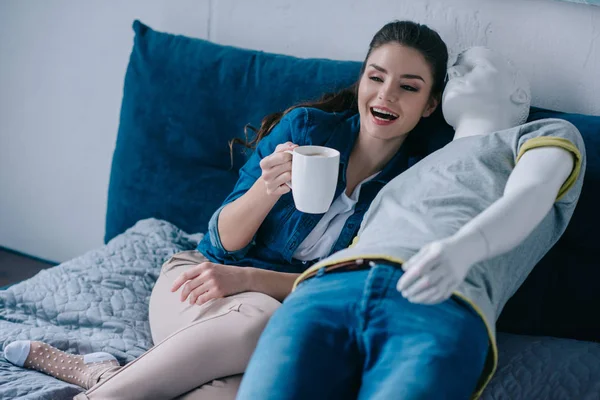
[(277, 169), (208, 281)]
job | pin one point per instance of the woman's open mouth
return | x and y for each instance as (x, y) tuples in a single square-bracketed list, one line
[(382, 116)]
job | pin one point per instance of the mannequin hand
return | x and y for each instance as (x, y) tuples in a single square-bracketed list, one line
[(208, 281), (431, 275)]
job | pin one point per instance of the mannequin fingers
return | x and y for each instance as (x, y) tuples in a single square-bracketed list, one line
[(432, 279), (440, 298), (416, 271), (415, 260), (435, 295), (444, 294), (426, 296), (431, 251)]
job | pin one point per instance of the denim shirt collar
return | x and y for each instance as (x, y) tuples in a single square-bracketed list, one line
[(344, 144)]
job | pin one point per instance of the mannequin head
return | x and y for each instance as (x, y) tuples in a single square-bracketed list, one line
[(485, 90)]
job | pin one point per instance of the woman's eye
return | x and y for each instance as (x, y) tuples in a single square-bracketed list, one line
[(409, 88), (376, 79)]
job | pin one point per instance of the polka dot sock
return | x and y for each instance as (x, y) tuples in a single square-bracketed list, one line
[(82, 370)]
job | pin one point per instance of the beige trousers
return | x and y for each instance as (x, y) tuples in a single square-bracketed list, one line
[(200, 352)]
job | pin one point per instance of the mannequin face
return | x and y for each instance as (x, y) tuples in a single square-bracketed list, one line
[(483, 85)]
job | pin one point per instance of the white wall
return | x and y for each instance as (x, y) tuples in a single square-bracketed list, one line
[(556, 44), (62, 64)]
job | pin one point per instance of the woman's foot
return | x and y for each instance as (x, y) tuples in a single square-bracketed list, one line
[(76, 369)]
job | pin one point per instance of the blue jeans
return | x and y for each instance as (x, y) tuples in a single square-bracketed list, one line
[(351, 335)]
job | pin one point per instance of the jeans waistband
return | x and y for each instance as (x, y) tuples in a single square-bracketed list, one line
[(353, 265)]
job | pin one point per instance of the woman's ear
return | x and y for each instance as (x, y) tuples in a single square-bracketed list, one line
[(431, 106)]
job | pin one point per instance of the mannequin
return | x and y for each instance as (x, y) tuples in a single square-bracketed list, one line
[(485, 94), (453, 237)]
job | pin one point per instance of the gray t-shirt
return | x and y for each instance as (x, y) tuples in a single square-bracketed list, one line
[(436, 197)]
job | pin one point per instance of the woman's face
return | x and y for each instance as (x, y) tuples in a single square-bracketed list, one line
[(394, 92)]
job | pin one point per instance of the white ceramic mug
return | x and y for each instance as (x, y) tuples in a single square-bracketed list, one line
[(314, 177)]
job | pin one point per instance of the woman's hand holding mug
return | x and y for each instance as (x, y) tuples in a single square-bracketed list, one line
[(277, 169), (315, 171), (311, 172)]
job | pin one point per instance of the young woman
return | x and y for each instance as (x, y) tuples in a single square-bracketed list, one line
[(209, 328)]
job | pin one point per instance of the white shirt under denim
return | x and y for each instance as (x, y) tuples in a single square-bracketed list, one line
[(321, 239)]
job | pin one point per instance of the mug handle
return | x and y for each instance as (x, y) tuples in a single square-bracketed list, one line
[(289, 184)]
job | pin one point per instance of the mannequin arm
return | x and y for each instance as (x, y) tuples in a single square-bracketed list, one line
[(529, 194), (437, 270)]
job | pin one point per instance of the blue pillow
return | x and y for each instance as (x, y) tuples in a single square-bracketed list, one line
[(183, 100)]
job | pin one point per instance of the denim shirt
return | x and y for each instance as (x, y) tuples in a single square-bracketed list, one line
[(285, 228)]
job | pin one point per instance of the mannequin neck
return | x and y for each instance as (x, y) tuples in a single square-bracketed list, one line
[(472, 126)]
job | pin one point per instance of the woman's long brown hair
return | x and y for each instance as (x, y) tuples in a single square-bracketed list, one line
[(341, 101)]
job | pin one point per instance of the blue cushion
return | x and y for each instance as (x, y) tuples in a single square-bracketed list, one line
[(183, 100)]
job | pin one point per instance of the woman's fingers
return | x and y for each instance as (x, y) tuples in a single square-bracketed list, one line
[(276, 177), (281, 180), (271, 174), (186, 276), (274, 160), (277, 169), (190, 279), (279, 191), (191, 286), (206, 296), (285, 146), (279, 156), (203, 290)]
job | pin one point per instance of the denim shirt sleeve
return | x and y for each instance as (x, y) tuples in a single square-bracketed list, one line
[(291, 128)]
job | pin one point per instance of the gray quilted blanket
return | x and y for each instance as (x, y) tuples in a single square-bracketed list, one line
[(99, 302), (96, 302)]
